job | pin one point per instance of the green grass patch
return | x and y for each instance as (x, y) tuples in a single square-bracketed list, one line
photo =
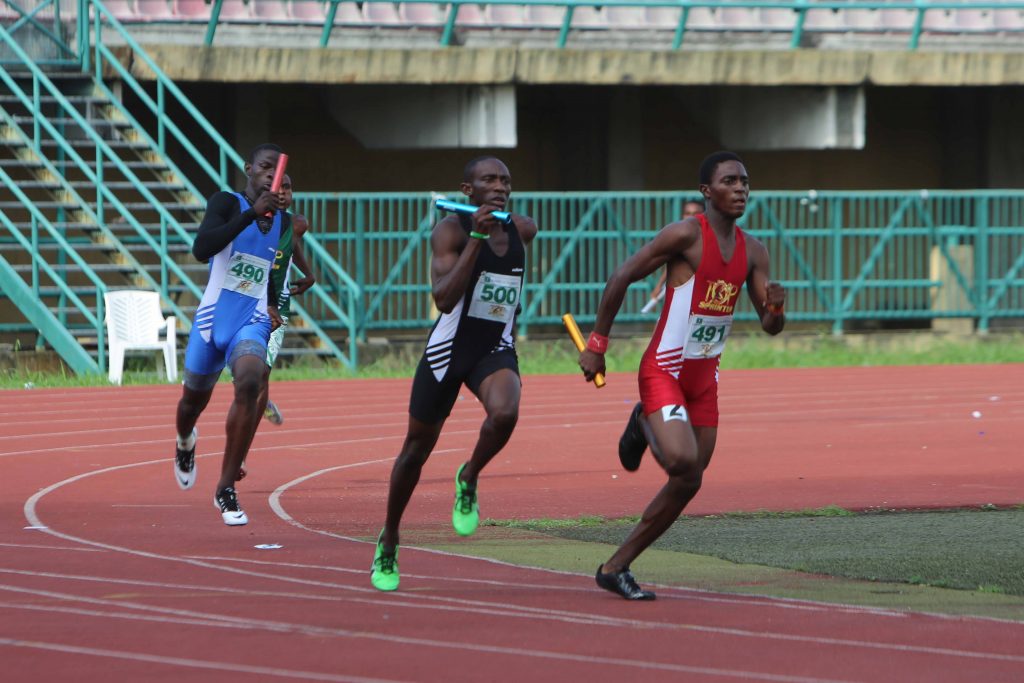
[(976, 550), (556, 355)]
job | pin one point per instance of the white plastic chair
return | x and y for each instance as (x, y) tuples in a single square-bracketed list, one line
[(134, 321)]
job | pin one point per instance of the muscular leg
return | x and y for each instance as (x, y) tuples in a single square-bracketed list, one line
[(684, 453), (499, 394), (261, 405), (190, 407), (261, 402), (242, 416), (420, 440)]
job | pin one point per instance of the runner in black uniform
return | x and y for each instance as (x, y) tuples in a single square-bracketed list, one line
[(477, 269)]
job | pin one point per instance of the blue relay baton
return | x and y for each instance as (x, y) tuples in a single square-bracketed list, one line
[(448, 205)]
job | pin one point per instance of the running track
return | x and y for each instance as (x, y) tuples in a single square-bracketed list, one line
[(110, 573)]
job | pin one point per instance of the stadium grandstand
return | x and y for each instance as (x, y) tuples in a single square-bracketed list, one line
[(883, 140)]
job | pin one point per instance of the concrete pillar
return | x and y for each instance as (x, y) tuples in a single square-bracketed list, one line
[(436, 117)]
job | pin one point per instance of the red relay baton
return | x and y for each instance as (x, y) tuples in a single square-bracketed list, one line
[(275, 184)]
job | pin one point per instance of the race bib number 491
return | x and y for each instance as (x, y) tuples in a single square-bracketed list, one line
[(495, 297), (247, 274), (707, 335)]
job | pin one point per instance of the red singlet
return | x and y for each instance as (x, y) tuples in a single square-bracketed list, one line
[(680, 366)]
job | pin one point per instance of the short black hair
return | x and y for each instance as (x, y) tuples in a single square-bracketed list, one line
[(698, 202), (265, 146), (467, 171), (711, 162)]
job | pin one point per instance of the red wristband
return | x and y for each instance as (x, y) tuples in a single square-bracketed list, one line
[(597, 343), (775, 310)]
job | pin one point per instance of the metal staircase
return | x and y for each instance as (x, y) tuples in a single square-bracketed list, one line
[(95, 202)]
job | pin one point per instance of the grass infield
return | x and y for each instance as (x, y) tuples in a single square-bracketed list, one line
[(964, 561)]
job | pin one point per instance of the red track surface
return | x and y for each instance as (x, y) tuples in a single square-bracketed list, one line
[(132, 579)]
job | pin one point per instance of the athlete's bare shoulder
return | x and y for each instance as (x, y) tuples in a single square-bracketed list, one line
[(757, 253), (527, 227), (448, 235), (683, 233)]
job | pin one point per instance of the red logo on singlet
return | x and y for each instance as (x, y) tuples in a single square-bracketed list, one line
[(719, 297)]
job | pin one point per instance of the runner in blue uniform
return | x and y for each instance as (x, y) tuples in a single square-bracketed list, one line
[(477, 269), (233, 322)]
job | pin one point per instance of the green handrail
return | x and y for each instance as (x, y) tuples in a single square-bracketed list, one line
[(800, 8), (103, 151), (845, 256), (228, 158), (94, 320), (28, 19), (111, 239)]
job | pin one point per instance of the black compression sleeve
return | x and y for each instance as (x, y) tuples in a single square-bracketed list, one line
[(222, 223)]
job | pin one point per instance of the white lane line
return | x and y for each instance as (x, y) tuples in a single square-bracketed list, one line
[(219, 621), (51, 547), (278, 447), (32, 516), (188, 662), (687, 593), (439, 604), (514, 610)]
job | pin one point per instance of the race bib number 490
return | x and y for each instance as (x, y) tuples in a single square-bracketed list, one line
[(495, 297), (707, 335), (247, 274)]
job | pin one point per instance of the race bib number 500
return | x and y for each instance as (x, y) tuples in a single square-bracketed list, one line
[(707, 335), (495, 297), (247, 274)]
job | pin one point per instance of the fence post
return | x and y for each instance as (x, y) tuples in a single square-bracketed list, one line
[(981, 220), (837, 268)]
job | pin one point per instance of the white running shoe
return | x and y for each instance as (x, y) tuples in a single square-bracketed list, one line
[(226, 501), (185, 463)]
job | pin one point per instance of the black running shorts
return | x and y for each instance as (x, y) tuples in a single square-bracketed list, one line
[(432, 400)]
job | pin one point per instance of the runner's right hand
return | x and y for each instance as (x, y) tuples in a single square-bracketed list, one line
[(268, 201), (483, 221)]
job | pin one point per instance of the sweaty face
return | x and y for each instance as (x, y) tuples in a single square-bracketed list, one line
[(729, 189), (491, 184), (261, 171)]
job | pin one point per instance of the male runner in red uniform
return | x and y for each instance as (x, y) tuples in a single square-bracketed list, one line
[(708, 259)]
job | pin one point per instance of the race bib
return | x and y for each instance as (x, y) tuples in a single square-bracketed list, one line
[(707, 335), (495, 297), (247, 275)]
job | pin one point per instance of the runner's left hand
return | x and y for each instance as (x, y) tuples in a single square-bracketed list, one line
[(775, 296), (275, 318), (301, 285)]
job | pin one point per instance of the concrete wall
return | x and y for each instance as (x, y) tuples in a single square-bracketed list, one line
[(650, 138)]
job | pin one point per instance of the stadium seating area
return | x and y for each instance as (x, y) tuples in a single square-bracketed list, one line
[(416, 14)]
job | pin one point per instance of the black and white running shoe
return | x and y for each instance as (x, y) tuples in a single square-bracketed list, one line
[(185, 464), (226, 501), (632, 443)]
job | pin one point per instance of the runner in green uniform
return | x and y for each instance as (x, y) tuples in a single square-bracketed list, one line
[(289, 251)]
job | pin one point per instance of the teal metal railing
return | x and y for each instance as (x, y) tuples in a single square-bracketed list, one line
[(844, 256), (45, 282), (93, 169), (94, 215), (192, 125), (41, 30), (188, 131), (448, 12)]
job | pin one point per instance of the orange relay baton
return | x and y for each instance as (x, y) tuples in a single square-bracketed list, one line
[(577, 339)]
